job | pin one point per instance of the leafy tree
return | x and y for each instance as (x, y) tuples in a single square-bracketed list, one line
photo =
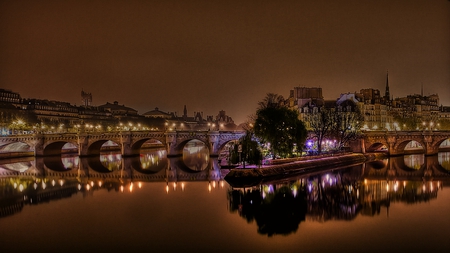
[(279, 126), (271, 100), (250, 151)]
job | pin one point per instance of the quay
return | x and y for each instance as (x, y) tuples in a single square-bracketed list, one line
[(240, 177)]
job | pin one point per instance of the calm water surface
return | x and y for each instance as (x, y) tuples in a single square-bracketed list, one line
[(153, 204)]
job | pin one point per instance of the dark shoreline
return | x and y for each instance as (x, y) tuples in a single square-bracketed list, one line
[(255, 176)]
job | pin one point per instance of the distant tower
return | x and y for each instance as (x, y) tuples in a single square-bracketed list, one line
[(86, 98), (387, 95), (185, 112)]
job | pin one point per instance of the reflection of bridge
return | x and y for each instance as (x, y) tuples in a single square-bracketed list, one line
[(29, 181), (91, 168), (396, 141), (395, 168), (89, 144)]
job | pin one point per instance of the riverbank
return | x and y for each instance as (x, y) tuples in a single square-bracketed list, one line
[(252, 176)]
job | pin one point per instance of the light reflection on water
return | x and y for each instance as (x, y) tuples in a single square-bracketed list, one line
[(384, 199)]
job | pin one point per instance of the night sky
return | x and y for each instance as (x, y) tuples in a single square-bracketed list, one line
[(221, 55)]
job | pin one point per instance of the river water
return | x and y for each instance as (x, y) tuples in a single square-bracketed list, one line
[(154, 204)]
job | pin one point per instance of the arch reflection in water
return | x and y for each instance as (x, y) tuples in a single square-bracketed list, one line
[(415, 161), (111, 161), (21, 165), (196, 155), (444, 160), (106, 162), (151, 161), (62, 163)]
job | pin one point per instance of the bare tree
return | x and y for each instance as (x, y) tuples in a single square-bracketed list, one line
[(346, 125), (321, 124)]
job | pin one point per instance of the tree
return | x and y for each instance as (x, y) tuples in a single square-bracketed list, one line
[(321, 124), (279, 126), (249, 150), (346, 125), (271, 100)]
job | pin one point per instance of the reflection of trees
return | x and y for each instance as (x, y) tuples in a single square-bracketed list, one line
[(338, 195), (279, 212), (331, 198)]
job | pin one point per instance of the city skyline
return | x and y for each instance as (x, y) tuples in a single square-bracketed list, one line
[(221, 56)]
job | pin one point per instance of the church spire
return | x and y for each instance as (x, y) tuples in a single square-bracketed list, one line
[(386, 93)]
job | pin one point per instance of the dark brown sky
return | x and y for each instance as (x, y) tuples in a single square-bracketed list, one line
[(214, 55)]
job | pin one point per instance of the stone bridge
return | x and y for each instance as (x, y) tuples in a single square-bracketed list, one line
[(130, 143), (395, 141)]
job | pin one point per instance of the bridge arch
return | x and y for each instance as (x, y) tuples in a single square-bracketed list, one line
[(443, 144), (56, 148), (418, 146), (179, 148), (16, 146), (96, 147), (377, 147), (136, 147)]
